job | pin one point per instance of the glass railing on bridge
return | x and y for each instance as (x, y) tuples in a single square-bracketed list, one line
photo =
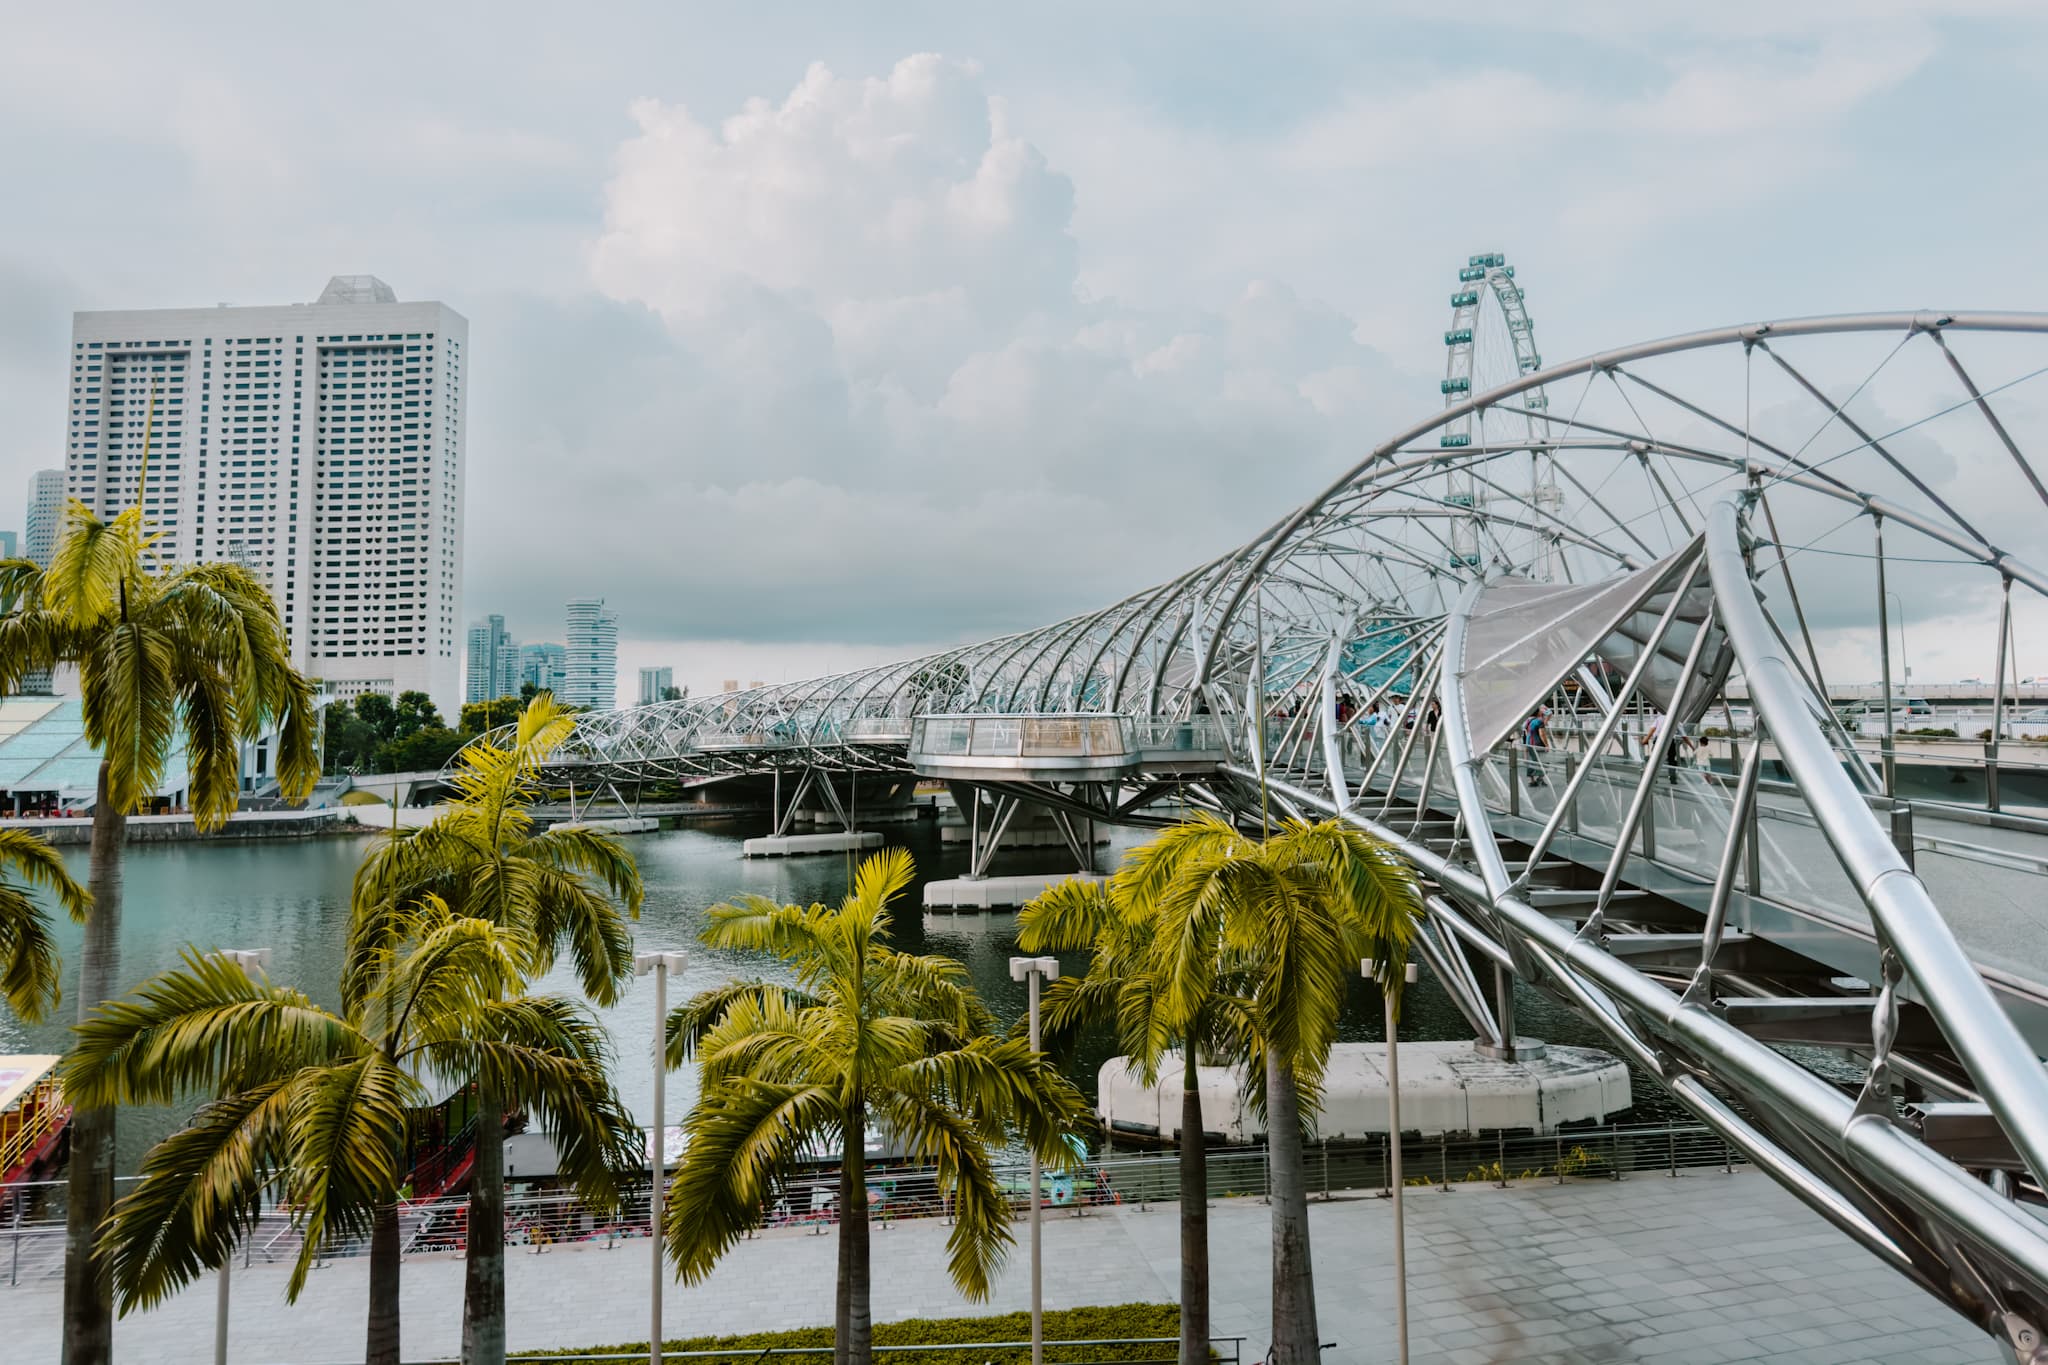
[(1082, 746)]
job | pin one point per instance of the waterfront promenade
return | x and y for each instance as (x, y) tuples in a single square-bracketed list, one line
[(1705, 1267)]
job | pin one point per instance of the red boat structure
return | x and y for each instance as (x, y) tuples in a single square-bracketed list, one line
[(33, 1116)]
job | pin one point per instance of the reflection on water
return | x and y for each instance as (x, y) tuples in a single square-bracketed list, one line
[(292, 897)]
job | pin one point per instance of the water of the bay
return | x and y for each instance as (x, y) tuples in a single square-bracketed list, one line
[(292, 898)]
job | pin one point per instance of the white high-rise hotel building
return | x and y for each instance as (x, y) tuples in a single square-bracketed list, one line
[(321, 445)]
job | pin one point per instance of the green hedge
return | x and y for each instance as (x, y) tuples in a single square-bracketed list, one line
[(1065, 1324)]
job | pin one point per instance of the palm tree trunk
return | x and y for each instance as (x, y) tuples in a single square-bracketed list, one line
[(382, 1347), (853, 1333), (1194, 1221), (1294, 1286), (483, 1276), (88, 1300)]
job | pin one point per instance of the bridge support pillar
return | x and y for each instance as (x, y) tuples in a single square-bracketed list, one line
[(1514, 1048)]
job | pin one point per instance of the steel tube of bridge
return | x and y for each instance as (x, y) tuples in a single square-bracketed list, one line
[(1884, 657), (1611, 721), (1998, 695), (2007, 1072), (1914, 1173)]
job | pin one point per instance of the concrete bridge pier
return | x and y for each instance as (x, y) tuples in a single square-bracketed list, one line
[(844, 810), (992, 822)]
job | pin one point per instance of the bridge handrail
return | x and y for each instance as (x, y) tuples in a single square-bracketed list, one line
[(2005, 1069)]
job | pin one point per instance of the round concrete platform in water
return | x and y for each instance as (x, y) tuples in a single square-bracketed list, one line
[(1445, 1088)]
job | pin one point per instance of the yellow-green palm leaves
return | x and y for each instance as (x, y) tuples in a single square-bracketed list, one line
[(560, 888), (864, 1032), (160, 648), (29, 969), (1288, 917), (310, 1110)]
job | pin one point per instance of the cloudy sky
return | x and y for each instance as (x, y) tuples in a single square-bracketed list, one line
[(808, 334)]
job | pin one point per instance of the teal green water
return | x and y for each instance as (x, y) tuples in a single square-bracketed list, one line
[(292, 897)]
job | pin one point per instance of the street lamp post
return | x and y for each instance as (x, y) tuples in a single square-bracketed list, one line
[(1034, 970), (663, 965), (255, 964), (1372, 970)]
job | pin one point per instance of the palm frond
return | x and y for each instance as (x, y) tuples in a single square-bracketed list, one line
[(690, 1021), (980, 1239), (128, 691), (24, 854), (553, 907), (743, 1141), (201, 1192), (204, 1027), (1065, 916), (93, 564), (31, 977), (347, 1135), (546, 1054), (757, 924)]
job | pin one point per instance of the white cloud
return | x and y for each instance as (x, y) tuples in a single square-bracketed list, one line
[(886, 404)]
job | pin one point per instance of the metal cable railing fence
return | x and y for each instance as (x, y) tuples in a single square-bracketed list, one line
[(32, 1214)]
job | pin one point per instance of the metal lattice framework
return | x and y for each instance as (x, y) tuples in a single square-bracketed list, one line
[(1764, 931)]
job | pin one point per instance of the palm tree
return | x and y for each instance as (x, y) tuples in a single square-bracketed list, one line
[(1122, 988), (196, 647), (865, 1034), (311, 1110), (29, 970), (564, 887), (1293, 913)]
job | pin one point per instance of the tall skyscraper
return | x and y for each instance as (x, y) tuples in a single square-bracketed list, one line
[(45, 515), (320, 445), (546, 666), (7, 545), (593, 656), (39, 542), (492, 668), (655, 684)]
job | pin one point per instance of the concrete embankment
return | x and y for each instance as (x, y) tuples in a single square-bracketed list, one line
[(155, 829)]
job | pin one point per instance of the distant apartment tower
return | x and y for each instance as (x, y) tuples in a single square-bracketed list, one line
[(45, 521), (592, 665), (45, 515), (492, 667), (546, 666), (318, 444), (655, 684)]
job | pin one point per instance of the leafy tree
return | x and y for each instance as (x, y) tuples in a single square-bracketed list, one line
[(480, 716), (866, 1035), (1293, 914), (197, 648), (311, 1110), (415, 712), (350, 743), (29, 970), (423, 750), (377, 712), (565, 889), (675, 694), (1122, 989)]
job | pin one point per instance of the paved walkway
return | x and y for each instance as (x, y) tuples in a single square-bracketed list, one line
[(1703, 1268)]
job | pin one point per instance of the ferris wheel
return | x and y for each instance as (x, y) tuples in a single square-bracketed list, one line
[(1490, 342)]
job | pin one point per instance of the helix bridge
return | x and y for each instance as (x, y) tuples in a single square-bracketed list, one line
[(1821, 933)]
